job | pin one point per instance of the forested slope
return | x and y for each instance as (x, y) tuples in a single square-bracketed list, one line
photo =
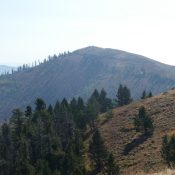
[(79, 73)]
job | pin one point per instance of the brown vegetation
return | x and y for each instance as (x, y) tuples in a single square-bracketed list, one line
[(132, 151), (165, 172)]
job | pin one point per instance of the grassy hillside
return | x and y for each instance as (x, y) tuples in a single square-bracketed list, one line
[(79, 73), (134, 153), (165, 172)]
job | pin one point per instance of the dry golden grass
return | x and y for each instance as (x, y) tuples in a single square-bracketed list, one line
[(165, 172), (119, 131)]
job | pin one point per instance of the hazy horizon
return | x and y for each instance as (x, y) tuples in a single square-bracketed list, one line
[(13, 65), (32, 30)]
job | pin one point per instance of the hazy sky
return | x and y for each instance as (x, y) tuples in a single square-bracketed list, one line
[(33, 29)]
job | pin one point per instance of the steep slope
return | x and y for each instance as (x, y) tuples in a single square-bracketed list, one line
[(79, 72), (134, 153)]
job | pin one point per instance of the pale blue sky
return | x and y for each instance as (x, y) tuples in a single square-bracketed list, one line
[(33, 29)]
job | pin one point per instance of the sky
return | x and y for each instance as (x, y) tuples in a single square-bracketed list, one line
[(33, 29)]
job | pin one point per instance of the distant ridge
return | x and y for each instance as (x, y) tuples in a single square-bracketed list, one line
[(6, 69), (79, 73)]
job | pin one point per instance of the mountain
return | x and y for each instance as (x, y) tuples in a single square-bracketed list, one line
[(5, 69), (133, 153), (79, 73)]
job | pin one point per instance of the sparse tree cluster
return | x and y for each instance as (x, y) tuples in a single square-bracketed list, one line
[(143, 122), (145, 95), (25, 67), (123, 95)]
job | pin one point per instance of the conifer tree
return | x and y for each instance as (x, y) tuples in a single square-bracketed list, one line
[(50, 110), (111, 167), (105, 103), (5, 150), (80, 104), (65, 103), (92, 111), (74, 111), (22, 162), (143, 122), (98, 151), (40, 105), (168, 150), (57, 108), (150, 94), (16, 124), (28, 111), (165, 151), (95, 95), (123, 95), (143, 95)]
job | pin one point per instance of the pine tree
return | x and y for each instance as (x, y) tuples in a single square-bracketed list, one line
[(98, 151), (5, 150), (92, 111), (28, 111), (143, 95), (23, 163), (105, 103), (65, 103), (168, 150), (78, 111), (111, 167), (143, 122), (73, 163), (80, 104), (50, 110), (150, 94), (95, 95), (42, 167), (123, 95), (21, 155), (40, 105), (16, 124), (73, 106), (165, 151), (57, 108)]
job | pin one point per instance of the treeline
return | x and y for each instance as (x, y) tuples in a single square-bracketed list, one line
[(25, 67), (48, 140)]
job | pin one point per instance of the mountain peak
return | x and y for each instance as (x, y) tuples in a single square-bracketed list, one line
[(88, 49), (79, 73)]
